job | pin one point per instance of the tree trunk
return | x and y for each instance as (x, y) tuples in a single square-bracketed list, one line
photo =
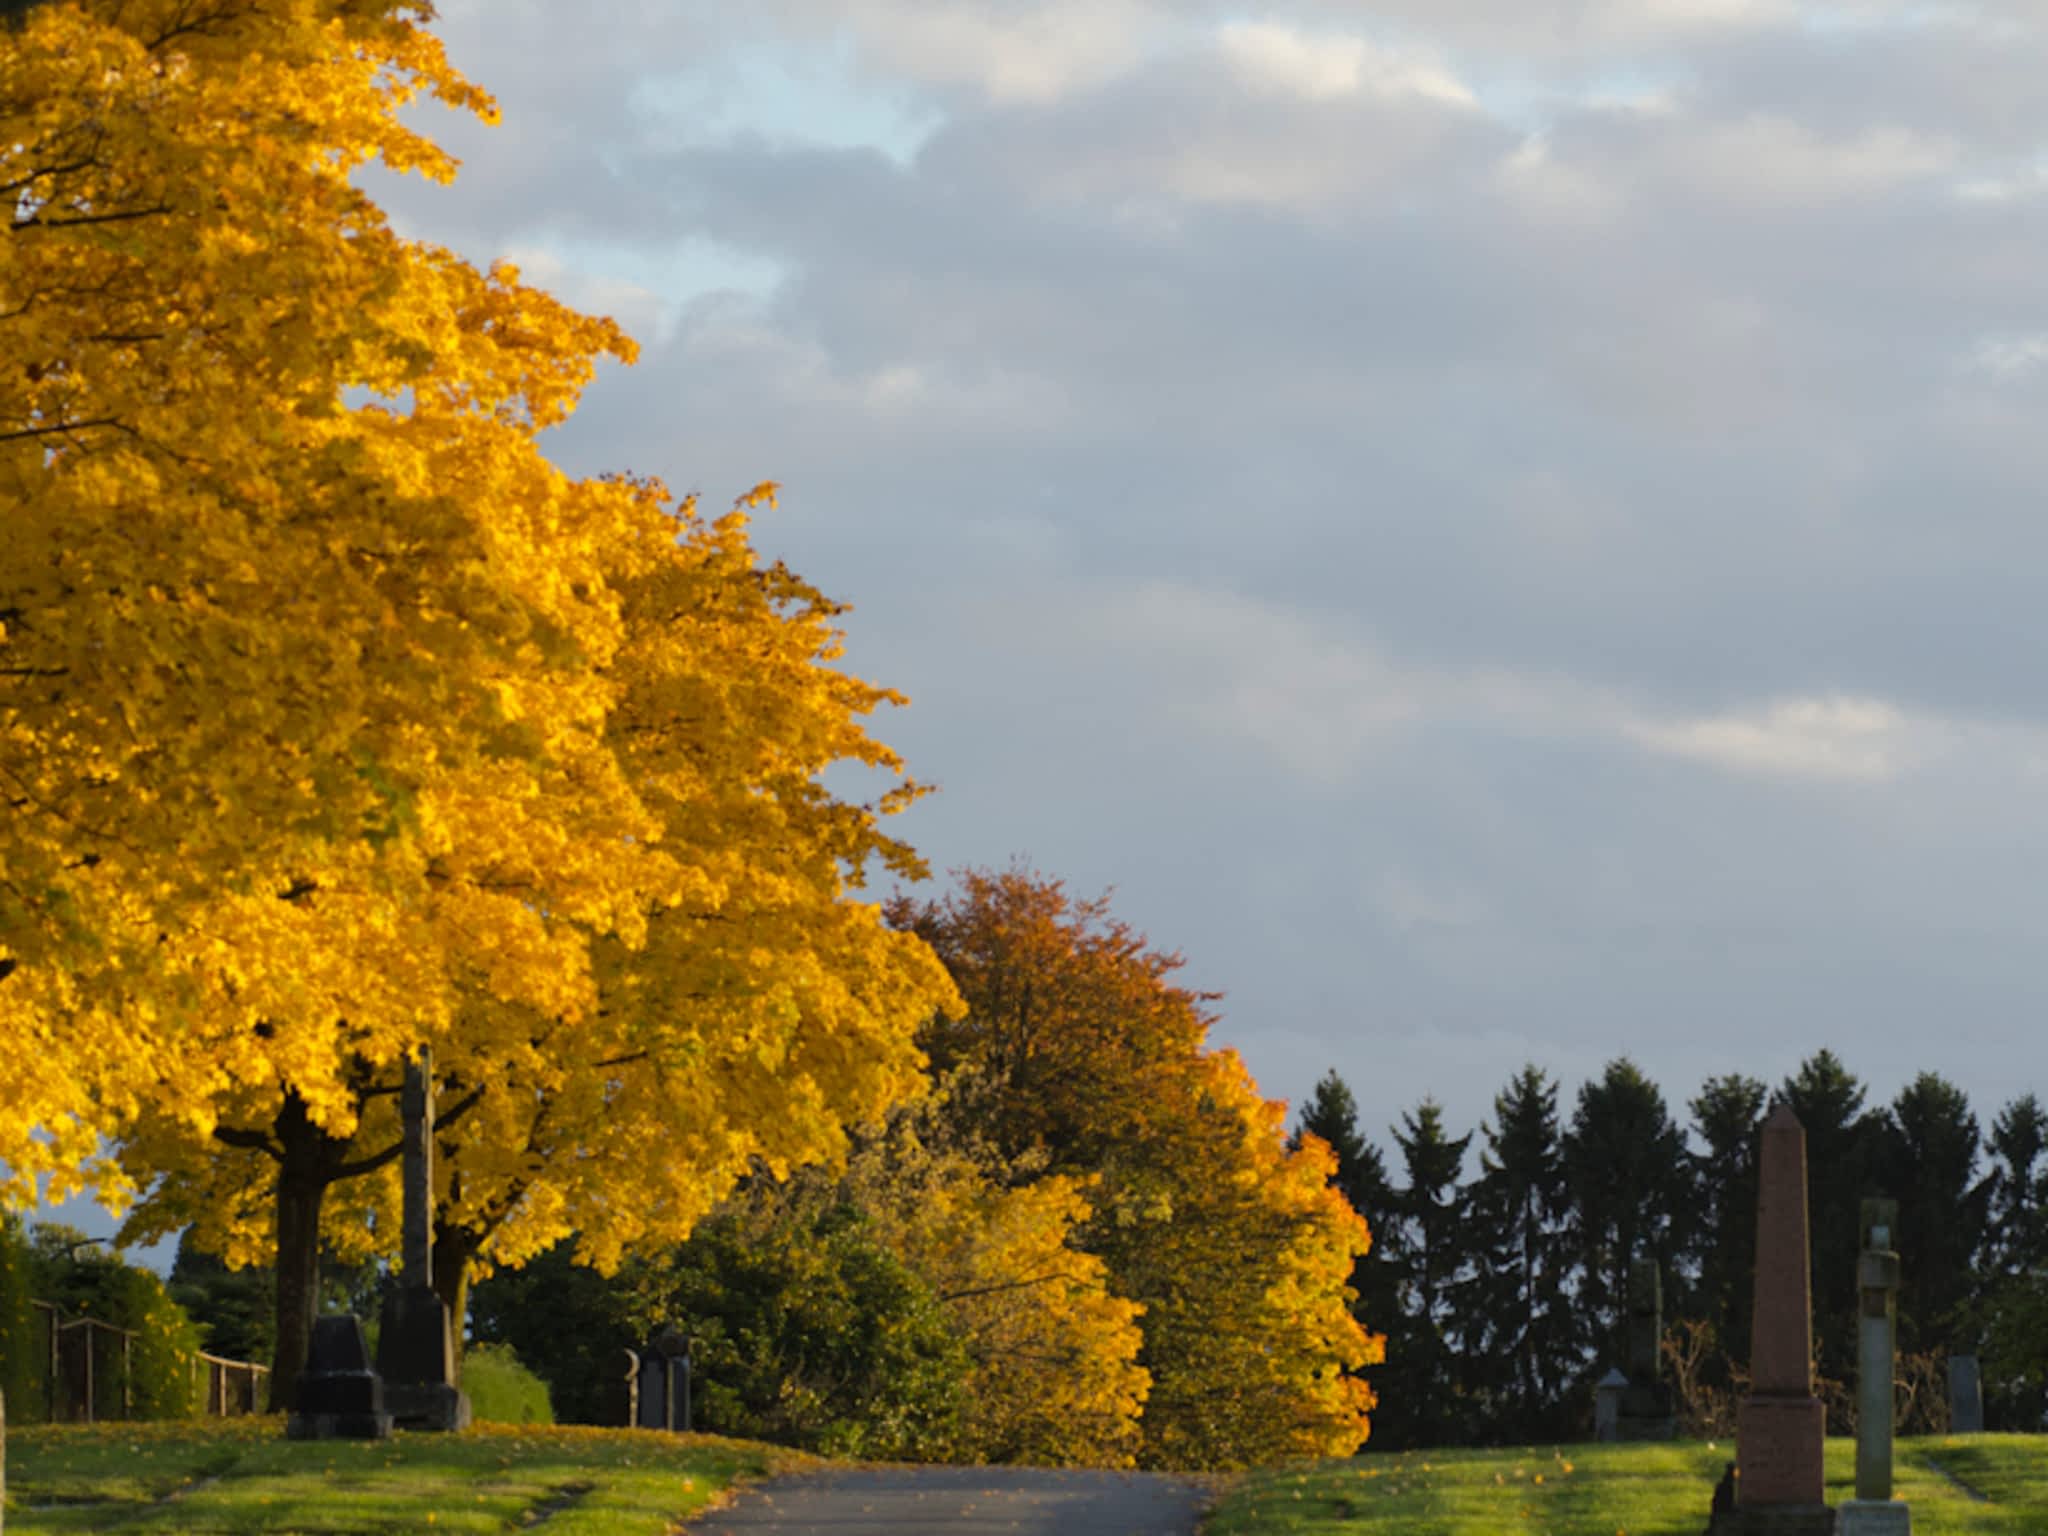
[(298, 1279), (308, 1164)]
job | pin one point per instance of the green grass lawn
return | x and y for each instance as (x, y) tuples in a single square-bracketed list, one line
[(234, 1476), (1613, 1490)]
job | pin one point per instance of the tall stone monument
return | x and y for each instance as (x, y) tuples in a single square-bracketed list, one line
[(1780, 1425), (1645, 1411), (415, 1353), (1873, 1512)]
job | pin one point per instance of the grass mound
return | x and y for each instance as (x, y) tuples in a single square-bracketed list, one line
[(1966, 1485), (241, 1476)]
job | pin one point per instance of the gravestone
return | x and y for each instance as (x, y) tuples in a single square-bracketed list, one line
[(415, 1353), (1779, 1426), (1873, 1512), (1965, 1396), (1607, 1405), (657, 1407), (664, 1382), (1645, 1411), (338, 1396)]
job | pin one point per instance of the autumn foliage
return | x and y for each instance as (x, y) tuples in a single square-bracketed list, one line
[(1089, 1062)]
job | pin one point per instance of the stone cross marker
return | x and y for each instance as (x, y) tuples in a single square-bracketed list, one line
[(1779, 1426), (415, 1352), (1645, 1321), (1872, 1512), (416, 1102), (1645, 1408)]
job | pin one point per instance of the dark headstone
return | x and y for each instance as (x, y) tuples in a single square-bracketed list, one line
[(656, 1401), (1724, 1491), (417, 1358), (338, 1396)]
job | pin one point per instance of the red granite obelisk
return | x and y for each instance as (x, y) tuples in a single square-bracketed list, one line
[(1780, 1424)]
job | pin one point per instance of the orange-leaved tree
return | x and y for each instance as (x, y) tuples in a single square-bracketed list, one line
[(1089, 1061)]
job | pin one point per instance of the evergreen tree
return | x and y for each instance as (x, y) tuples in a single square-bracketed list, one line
[(2017, 1238), (1516, 1318), (1726, 1117), (1625, 1165), (1421, 1403), (236, 1309), (1927, 1160), (2009, 1318), (1841, 1143), (1332, 1114)]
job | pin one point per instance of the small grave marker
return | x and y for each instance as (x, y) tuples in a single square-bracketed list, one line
[(1965, 1395), (338, 1396)]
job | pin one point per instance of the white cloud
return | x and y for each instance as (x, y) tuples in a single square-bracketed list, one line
[(1011, 53), (2010, 357), (1321, 699), (1320, 67), (1774, 158), (1834, 739)]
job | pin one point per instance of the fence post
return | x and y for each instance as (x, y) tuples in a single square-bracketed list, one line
[(56, 1360)]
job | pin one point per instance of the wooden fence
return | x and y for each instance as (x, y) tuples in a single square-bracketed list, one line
[(88, 1364)]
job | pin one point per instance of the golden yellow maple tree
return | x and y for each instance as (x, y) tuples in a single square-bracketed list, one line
[(333, 731), (241, 626), (1054, 1377), (759, 1015)]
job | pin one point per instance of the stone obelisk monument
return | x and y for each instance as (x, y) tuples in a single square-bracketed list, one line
[(415, 1353), (1873, 1512), (1780, 1425)]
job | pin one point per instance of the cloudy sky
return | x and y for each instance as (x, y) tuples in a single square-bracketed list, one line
[(1506, 530)]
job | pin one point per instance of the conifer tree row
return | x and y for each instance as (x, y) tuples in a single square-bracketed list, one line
[(1499, 1265)]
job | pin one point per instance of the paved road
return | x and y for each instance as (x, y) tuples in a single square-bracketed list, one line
[(961, 1501)]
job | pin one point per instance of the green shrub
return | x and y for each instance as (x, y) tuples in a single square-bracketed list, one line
[(501, 1389), (24, 1344)]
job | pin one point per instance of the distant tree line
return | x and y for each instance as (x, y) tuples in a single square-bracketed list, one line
[(1502, 1292)]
